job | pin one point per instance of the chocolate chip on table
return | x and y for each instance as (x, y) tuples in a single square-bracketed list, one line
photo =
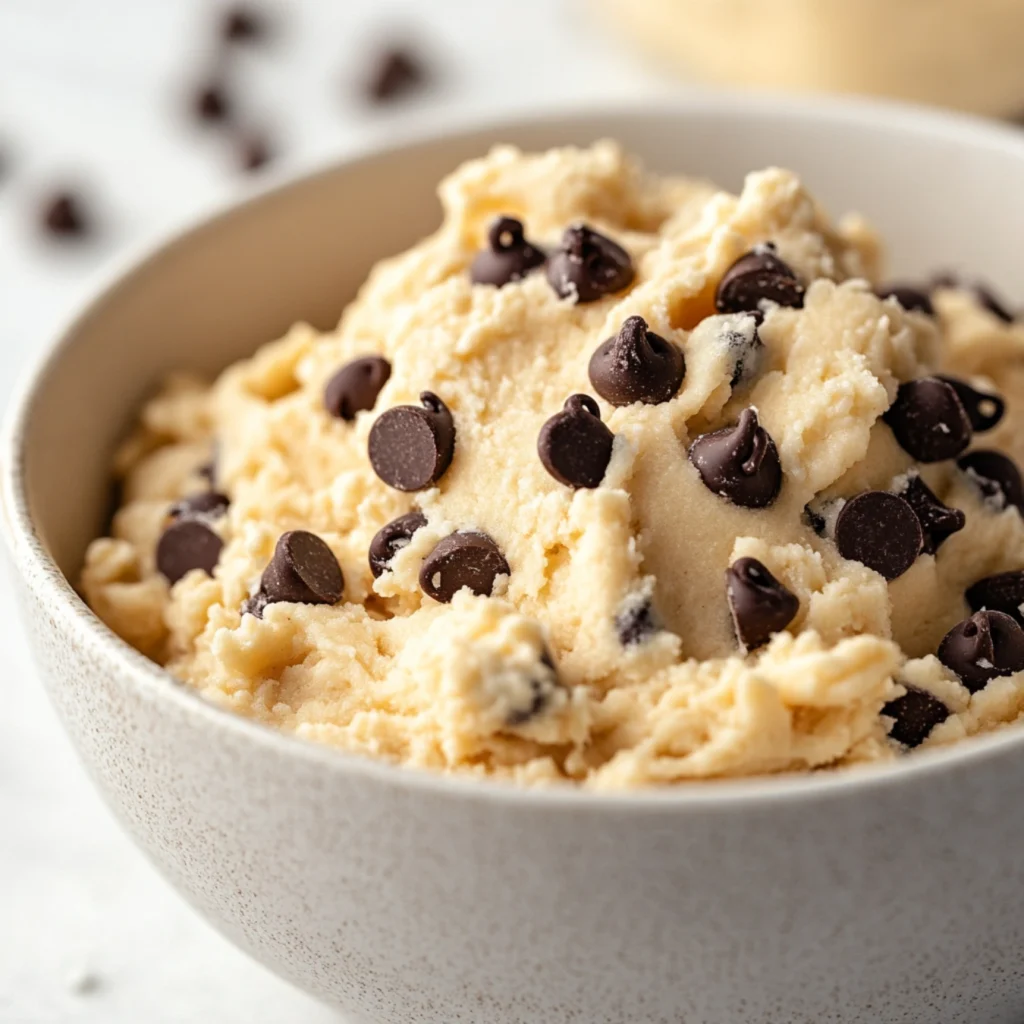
[(63, 215), (208, 504), (995, 475), (929, 420), (758, 276), (391, 538), (1003, 592), (574, 445), (212, 103), (740, 462), (938, 521), (916, 713), (242, 23), (984, 409), (303, 570), (187, 544), (254, 151), (636, 365), (880, 530), (588, 266), (508, 257), (910, 297), (760, 605), (464, 559), (982, 647), (396, 72), (355, 387), (411, 447), (636, 622)]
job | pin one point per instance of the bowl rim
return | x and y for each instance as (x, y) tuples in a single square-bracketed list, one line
[(36, 568)]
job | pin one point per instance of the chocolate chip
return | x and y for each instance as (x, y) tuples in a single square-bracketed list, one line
[(355, 387), (411, 447), (996, 476), (636, 622), (397, 72), (1003, 592), (587, 266), (574, 445), (938, 521), (464, 559), (879, 530), (208, 504), (815, 520), (916, 713), (984, 409), (745, 348), (929, 420), (63, 216), (756, 277), (254, 152), (303, 570), (212, 103), (255, 604), (739, 463), (909, 296), (760, 605), (391, 538), (987, 645), (541, 687), (208, 469), (243, 24), (636, 365), (983, 294), (185, 545), (508, 257)]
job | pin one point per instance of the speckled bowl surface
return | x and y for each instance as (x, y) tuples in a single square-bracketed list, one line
[(876, 897)]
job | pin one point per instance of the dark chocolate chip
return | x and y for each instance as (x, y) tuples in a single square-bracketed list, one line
[(760, 605), (303, 570), (64, 216), (916, 713), (984, 409), (391, 538), (588, 266), (255, 604), (987, 645), (745, 348), (212, 103), (1003, 592), (880, 530), (243, 24), (929, 420), (574, 445), (508, 257), (396, 73), (815, 520), (411, 447), (254, 151), (983, 294), (208, 504), (995, 475), (938, 521), (739, 463), (636, 365), (909, 296), (187, 544), (636, 622), (756, 277), (355, 387), (542, 686), (464, 559)]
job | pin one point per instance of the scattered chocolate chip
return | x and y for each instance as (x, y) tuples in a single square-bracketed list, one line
[(185, 545), (982, 293), (740, 462), (508, 257), (760, 605), (464, 559), (64, 216), (587, 266), (996, 476), (574, 445), (987, 645), (636, 622), (916, 713), (938, 521), (212, 103), (879, 530), (391, 538), (254, 152), (929, 420), (815, 520), (636, 365), (303, 570), (243, 24), (209, 504), (355, 387), (397, 72), (984, 409), (756, 277), (411, 447), (1003, 592), (910, 297), (745, 348)]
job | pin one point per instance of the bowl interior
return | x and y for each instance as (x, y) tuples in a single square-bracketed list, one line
[(944, 191)]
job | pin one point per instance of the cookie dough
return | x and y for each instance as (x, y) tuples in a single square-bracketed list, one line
[(615, 480)]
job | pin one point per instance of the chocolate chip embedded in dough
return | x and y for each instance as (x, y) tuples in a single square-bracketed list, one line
[(760, 605), (984, 409), (938, 521), (929, 420), (756, 277), (303, 570), (411, 447), (740, 462), (464, 559), (187, 544), (636, 621), (204, 504), (391, 538), (509, 257), (1002, 592), (880, 530), (637, 365), (355, 387), (910, 297), (574, 446), (981, 648), (916, 713), (995, 475), (588, 266)]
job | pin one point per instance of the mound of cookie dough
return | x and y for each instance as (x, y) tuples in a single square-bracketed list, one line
[(615, 479)]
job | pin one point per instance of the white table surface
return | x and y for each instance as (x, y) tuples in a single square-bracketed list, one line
[(91, 91)]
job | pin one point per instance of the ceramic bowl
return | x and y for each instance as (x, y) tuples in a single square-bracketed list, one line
[(873, 896)]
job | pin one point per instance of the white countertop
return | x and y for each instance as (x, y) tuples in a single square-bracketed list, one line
[(91, 91)]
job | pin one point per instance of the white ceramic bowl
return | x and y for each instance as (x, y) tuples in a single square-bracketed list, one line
[(873, 897)]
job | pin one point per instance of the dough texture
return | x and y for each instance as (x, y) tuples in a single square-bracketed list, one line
[(534, 681)]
